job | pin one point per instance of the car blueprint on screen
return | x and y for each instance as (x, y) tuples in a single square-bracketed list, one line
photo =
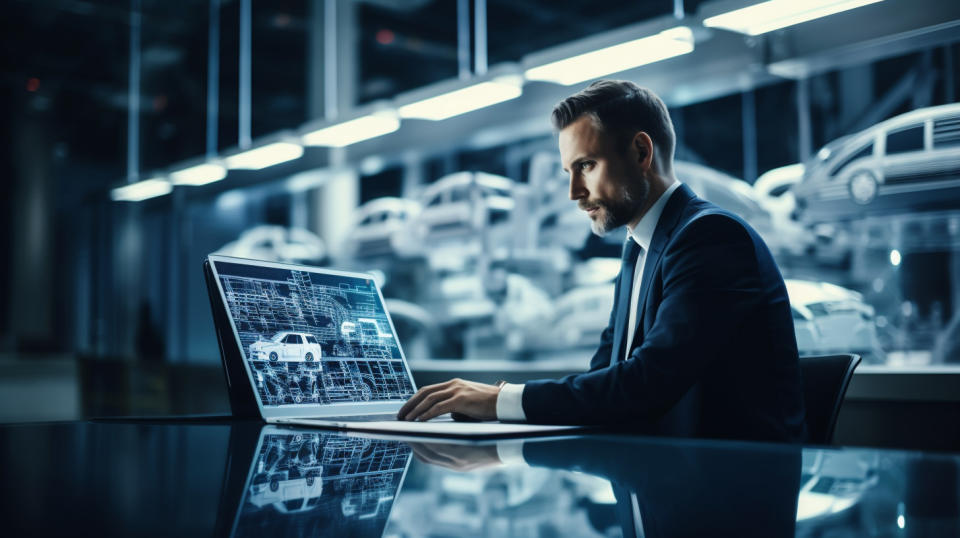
[(287, 346)]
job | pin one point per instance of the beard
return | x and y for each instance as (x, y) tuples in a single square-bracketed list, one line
[(612, 214)]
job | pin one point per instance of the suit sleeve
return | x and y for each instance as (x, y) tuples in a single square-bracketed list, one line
[(710, 284)]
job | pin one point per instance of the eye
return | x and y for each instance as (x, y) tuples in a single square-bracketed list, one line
[(584, 165)]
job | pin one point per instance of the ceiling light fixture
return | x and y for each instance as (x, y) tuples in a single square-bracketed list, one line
[(613, 59), (264, 156), (141, 190), (352, 131), (463, 100), (200, 174), (775, 14)]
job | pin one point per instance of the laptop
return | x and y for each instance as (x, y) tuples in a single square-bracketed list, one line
[(316, 347)]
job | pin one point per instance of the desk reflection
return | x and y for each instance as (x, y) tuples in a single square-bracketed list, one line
[(243, 479), (320, 483)]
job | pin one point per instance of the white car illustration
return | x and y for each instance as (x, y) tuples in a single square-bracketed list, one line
[(287, 495), (287, 346), (907, 163)]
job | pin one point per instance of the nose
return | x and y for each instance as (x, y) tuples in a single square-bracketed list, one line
[(578, 189)]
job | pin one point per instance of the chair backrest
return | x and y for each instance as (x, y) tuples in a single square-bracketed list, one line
[(825, 380)]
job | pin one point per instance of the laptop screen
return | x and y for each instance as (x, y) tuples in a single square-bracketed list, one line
[(312, 337)]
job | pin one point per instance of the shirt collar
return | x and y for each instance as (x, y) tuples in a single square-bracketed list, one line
[(643, 232)]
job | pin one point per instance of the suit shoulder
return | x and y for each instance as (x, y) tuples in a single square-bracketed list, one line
[(709, 221)]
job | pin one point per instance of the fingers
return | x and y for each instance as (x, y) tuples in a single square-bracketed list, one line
[(425, 410), (417, 398)]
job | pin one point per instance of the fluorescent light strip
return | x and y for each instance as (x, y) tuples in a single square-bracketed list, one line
[(666, 44), (141, 190), (464, 100), (352, 131), (200, 174), (775, 14), (264, 156)]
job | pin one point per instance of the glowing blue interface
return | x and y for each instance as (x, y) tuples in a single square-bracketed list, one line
[(313, 338)]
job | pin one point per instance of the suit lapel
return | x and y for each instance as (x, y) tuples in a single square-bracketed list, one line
[(664, 230)]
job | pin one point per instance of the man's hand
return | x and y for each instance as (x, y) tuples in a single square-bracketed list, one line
[(461, 458), (476, 400)]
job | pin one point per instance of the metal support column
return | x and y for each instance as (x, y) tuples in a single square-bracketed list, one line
[(463, 39), (213, 78), (479, 37), (330, 64), (245, 69), (804, 128), (748, 112), (133, 99)]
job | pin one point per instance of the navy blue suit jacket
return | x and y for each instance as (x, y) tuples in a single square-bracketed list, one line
[(714, 353)]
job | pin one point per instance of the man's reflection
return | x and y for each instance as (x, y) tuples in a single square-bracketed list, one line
[(660, 490)]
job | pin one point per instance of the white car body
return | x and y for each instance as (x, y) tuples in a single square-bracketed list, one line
[(774, 191), (459, 205), (277, 244), (904, 164), (378, 222), (832, 319), (287, 346), (580, 315)]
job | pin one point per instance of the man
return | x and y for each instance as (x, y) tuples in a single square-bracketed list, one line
[(700, 341)]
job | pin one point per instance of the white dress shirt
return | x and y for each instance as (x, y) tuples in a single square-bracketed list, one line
[(510, 398)]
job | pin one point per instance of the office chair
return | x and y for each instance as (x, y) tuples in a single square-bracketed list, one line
[(825, 380)]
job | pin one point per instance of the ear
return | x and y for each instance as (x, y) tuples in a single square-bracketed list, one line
[(642, 145)]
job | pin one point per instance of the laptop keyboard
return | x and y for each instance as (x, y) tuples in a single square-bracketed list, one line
[(363, 418)]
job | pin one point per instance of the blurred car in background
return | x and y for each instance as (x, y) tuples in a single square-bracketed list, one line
[(377, 223), (832, 319), (277, 244), (907, 163), (564, 225), (774, 191), (730, 193), (460, 205), (579, 316)]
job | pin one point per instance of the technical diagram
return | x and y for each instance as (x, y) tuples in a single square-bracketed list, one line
[(314, 338), (321, 481)]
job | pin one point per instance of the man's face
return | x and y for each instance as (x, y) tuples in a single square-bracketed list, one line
[(606, 179)]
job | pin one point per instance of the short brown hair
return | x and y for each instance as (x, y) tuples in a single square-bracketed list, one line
[(621, 108)]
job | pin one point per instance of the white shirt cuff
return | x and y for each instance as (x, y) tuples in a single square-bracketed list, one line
[(510, 403), (511, 452)]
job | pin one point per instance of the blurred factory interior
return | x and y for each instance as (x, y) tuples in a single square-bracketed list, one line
[(411, 139)]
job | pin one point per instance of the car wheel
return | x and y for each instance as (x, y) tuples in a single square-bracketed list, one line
[(310, 481), (274, 484), (273, 356), (863, 187), (298, 398), (308, 357)]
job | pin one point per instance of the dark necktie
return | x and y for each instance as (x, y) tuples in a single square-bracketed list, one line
[(628, 262)]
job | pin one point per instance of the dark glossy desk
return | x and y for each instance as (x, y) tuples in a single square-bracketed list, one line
[(243, 479)]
